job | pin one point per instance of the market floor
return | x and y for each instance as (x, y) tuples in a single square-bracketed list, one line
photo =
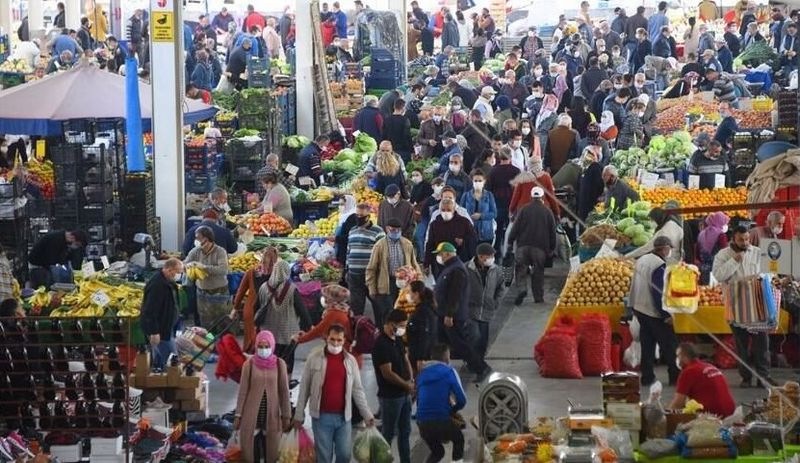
[(513, 336)]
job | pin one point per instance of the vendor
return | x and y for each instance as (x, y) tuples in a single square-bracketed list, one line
[(727, 127), (772, 230), (213, 298), (617, 189), (55, 255), (276, 198), (160, 311), (218, 202), (222, 236), (702, 382), (707, 164)]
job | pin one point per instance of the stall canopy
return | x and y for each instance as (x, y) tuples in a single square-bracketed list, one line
[(86, 91)]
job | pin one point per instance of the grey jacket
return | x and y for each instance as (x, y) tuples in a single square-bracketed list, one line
[(484, 299), (215, 263), (313, 379)]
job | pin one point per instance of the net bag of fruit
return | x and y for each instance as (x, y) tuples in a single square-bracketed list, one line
[(594, 344), (723, 358), (563, 325), (559, 356), (681, 288)]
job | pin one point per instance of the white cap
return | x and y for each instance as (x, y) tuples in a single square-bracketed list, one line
[(488, 90), (537, 192)]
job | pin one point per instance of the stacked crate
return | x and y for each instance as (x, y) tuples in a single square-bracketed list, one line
[(14, 226), (200, 166), (84, 192), (385, 70), (258, 75), (139, 210), (286, 112), (245, 159), (787, 116)]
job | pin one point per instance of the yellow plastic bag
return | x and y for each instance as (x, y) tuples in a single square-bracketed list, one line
[(683, 281)]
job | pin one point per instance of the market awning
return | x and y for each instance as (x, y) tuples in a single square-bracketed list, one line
[(86, 91)]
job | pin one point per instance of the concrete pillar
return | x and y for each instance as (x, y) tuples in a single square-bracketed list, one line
[(166, 69), (35, 17), (72, 14), (5, 18), (304, 59)]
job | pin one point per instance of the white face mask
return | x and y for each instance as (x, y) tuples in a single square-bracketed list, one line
[(526, 131), (456, 107), (491, 98), (576, 54), (437, 189), (617, 86), (537, 72), (322, 301), (225, 208), (455, 168), (400, 332), (416, 179), (401, 283), (639, 86), (516, 144), (264, 352), (725, 229), (447, 216), (478, 185), (777, 230), (489, 262), (197, 243), (335, 350), (393, 201), (440, 260), (437, 118), (491, 161), (178, 277)]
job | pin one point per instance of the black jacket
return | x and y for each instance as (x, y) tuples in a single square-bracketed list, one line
[(477, 137), (397, 129), (159, 307), (58, 21), (85, 39), (590, 187), (734, 43), (591, 80), (643, 49), (52, 249), (664, 47), (534, 226), (222, 237), (422, 328), (468, 97)]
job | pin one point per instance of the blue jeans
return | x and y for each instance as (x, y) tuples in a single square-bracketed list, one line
[(332, 430), (396, 414), (160, 354), (419, 238)]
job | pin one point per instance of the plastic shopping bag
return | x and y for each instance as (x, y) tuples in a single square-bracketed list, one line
[(369, 446), (305, 446), (681, 289), (233, 452), (288, 450)]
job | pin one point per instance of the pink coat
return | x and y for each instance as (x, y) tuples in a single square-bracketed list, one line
[(254, 382)]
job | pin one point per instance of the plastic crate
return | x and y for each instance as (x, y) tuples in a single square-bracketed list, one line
[(97, 194), (97, 174), (37, 207), (95, 154), (67, 190), (382, 83), (13, 189), (80, 131), (100, 232), (238, 150), (310, 211), (201, 167), (65, 154), (198, 154), (66, 173), (96, 214), (200, 183)]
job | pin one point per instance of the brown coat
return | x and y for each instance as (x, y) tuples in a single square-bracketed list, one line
[(248, 294), (255, 382), (377, 276), (562, 145)]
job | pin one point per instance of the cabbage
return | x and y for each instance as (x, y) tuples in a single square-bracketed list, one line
[(640, 239), (365, 144), (328, 166), (625, 223), (347, 166), (347, 154), (633, 230)]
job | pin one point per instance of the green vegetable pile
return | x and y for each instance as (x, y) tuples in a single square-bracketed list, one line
[(427, 166), (365, 144), (672, 152), (295, 141), (346, 160), (633, 221), (757, 54), (226, 101), (496, 64), (282, 66), (241, 133), (443, 98)]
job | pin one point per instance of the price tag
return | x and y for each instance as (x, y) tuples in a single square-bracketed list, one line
[(291, 169), (356, 133), (719, 181), (694, 182), (41, 146), (305, 181), (773, 266), (100, 298), (104, 261), (87, 269), (669, 178), (574, 264), (649, 179)]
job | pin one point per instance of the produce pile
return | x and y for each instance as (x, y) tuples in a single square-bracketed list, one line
[(711, 296), (20, 66), (295, 141), (671, 152), (594, 236), (42, 175), (525, 448), (672, 116), (349, 162), (320, 228), (225, 101), (599, 282), (428, 166), (320, 194), (496, 64), (195, 271), (783, 403), (93, 296), (243, 262), (267, 224), (697, 198), (632, 222)]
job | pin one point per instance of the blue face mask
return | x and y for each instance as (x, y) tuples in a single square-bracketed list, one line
[(394, 235)]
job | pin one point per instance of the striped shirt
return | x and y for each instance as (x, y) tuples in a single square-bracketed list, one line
[(396, 257), (360, 242)]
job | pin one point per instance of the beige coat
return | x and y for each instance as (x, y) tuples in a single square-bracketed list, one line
[(377, 276), (254, 383)]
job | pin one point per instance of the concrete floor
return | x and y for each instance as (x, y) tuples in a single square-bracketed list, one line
[(513, 335)]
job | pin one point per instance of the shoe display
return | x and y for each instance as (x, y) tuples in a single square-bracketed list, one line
[(88, 387), (71, 387), (57, 334), (45, 416), (47, 364), (94, 415), (101, 386), (117, 415), (97, 334), (89, 359)]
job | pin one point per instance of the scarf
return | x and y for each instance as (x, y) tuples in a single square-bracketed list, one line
[(606, 120), (270, 362), (348, 209), (708, 237), (549, 106)]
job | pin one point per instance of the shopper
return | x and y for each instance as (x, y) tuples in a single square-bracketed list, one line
[(263, 410), (525, 182), (711, 239), (389, 254), (276, 199), (159, 313), (668, 224), (590, 182), (394, 207), (55, 255), (449, 227), (421, 188), (647, 287), (742, 260), (422, 323), (347, 220), (487, 289), (360, 242), (534, 232), (217, 201), (331, 386), (499, 183), (451, 290), (222, 236), (245, 303), (430, 134), (395, 382), (309, 160), (439, 397), (481, 207), (281, 311), (397, 130), (772, 230), (368, 119), (336, 311), (702, 382), (454, 176), (213, 298), (562, 145)]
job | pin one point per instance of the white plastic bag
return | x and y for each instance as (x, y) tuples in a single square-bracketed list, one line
[(224, 85), (633, 355)]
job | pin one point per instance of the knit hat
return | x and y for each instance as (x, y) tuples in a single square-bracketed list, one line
[(503, 102), (336, 297), (391, 190)]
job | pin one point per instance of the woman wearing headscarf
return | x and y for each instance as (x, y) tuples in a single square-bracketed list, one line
[(710, 240), (547, 117), (608, 130), (245, 303), (263, 410), (281, 310), (524, 182), (458, 114), (335, 302), (347, 220)]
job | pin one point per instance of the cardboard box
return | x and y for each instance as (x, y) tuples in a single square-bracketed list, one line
[(626, 416), (189, 382), (106, 446), (194, 405), (674, 418), (155, 380), (621, 382), (188, 394), (173, 376), (142, 364)]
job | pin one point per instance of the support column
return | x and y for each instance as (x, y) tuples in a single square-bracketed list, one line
[(72, 14), (166, 69), (35, 18), (304, 58), (5, 18)]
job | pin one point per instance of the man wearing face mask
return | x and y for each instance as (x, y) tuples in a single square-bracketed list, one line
[(486, 291), (484, 105), (453, 228), (222, 236), (430, 134), (394, 207), (160, 311), (499, 183), (702, 382), (772, 230), (514, 90), (455, 177), (727, 127), (393, 374), (741, 260), (218, 202), (425, 210), (389, 254), (360, 242), (707, 164), (213, 297), (647, 286), (519, 155), (450, 146)]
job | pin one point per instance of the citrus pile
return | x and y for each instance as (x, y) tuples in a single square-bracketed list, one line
[(320, 228), (710, 296), (269, 224), (698, 198), (599, 282)]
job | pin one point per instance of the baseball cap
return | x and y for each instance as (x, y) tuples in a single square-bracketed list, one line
[(537, 192), (488, 90), (391, 189), (444, 246)]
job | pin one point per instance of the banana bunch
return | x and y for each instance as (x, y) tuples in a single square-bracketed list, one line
[(41, 297), (321, 194), (195, 273), (93, 295), (244, 262)]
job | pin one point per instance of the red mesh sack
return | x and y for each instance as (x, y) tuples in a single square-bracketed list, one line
[(563, 325), (559, 356), (722, 359), (594, 345)]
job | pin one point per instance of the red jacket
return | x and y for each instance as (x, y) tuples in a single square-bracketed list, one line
[(328, 33), (438, 24), (524, 183), (254, 19)]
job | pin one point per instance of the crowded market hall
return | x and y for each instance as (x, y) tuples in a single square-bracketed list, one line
[(399, 231)]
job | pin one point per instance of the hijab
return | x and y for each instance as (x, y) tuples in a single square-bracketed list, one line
[(710, 234), (549, 106), (606, 120), (349, 208), (270, 362), (281, 272), (268, 260)]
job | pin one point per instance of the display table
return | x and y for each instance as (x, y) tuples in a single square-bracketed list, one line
[(614, 313), (789, 451), (711, 319)]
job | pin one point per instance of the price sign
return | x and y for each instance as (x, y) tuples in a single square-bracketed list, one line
[(41, 146), (669, 178), (649, 179), (100, 298), (719, 181), (104, 261), (694, 182), (87, 269), (305, 181), (291, 169)]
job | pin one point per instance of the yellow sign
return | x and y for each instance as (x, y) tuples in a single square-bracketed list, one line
[(163, 27), (773, 266), (40, 149)]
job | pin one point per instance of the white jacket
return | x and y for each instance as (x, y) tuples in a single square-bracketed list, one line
[(725, 268)]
